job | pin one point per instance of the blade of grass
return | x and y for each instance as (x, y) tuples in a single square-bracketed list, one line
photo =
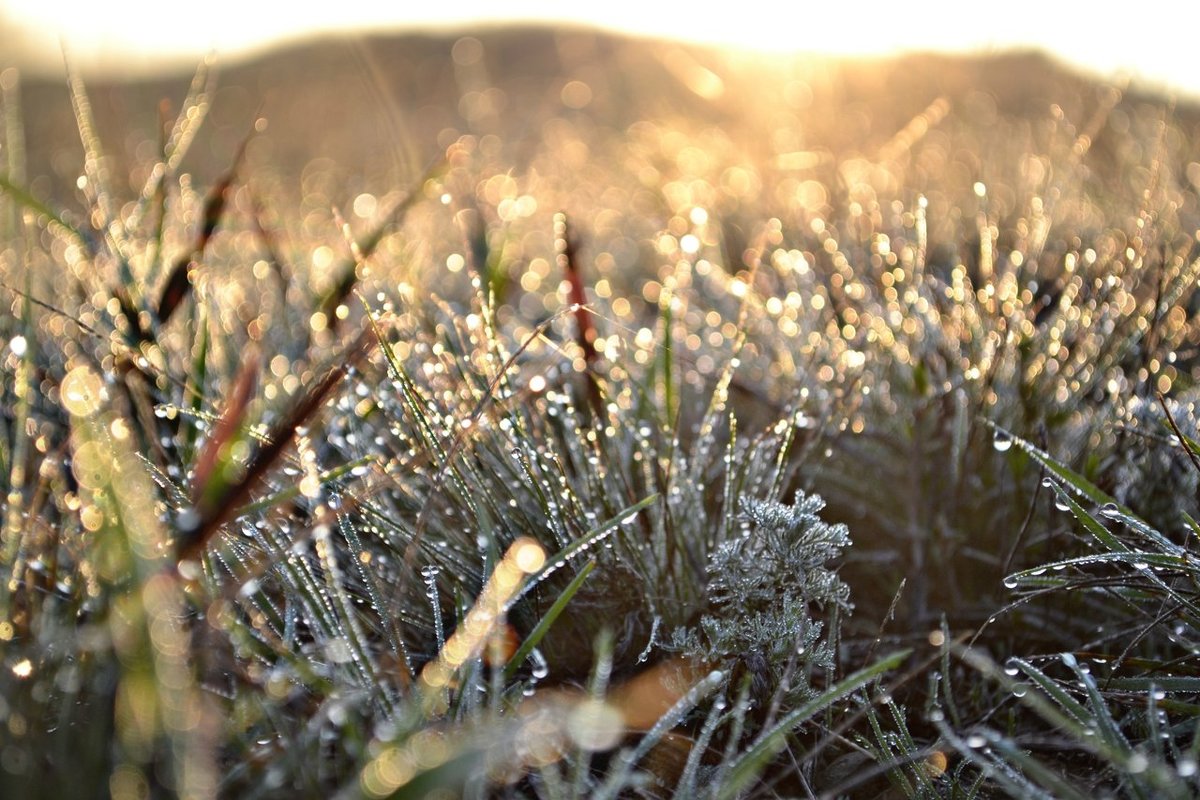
[(23, 197), (543, 626), (179, 283), (618, 777), (771, 741), (349, 271), (220, 506), (1085, 488), (14, 531), (215, 464), (292, 492), (580, 545)]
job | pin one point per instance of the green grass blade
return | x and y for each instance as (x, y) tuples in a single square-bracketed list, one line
[(23, 197), (1085, 488), (618, 778), (770, 742), (1101, 717), (1093, 526), (581, 545), (1079, 484), (1032, 768), (1055, 692), (543, 626)]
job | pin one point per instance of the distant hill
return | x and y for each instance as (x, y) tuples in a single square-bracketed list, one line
[(377, 107)]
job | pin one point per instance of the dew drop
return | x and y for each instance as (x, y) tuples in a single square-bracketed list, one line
[(187, 520), (1002, 442)]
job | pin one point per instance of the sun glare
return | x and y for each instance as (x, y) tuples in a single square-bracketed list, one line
[(137, 33)]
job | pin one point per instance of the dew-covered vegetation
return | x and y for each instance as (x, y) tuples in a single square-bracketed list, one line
[(663, 423)]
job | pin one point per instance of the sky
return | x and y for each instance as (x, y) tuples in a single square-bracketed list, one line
[(1153, 41)]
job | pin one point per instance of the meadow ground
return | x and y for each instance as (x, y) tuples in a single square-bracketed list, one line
[(547, 414)]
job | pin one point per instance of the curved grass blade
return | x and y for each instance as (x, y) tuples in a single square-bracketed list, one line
[(1093, 526), (291, 492), (23, 197), (539, 631), (349, 270), (179, 282), (580, 545), (221, 503), (771, 741), (1085, 488), (630, 758)]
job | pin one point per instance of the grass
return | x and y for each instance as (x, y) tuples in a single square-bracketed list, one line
[(723, 482)]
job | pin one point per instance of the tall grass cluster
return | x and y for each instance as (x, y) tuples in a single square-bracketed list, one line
[(646, 465)]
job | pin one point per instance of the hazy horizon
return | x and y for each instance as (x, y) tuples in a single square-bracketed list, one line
[(138, 40)]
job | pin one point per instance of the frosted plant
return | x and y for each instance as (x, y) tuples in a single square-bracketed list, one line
[(769, 588)]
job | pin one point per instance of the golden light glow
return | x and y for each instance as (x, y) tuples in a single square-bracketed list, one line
[(81, 391), (135, 34), (528, 555), (524, 557)]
